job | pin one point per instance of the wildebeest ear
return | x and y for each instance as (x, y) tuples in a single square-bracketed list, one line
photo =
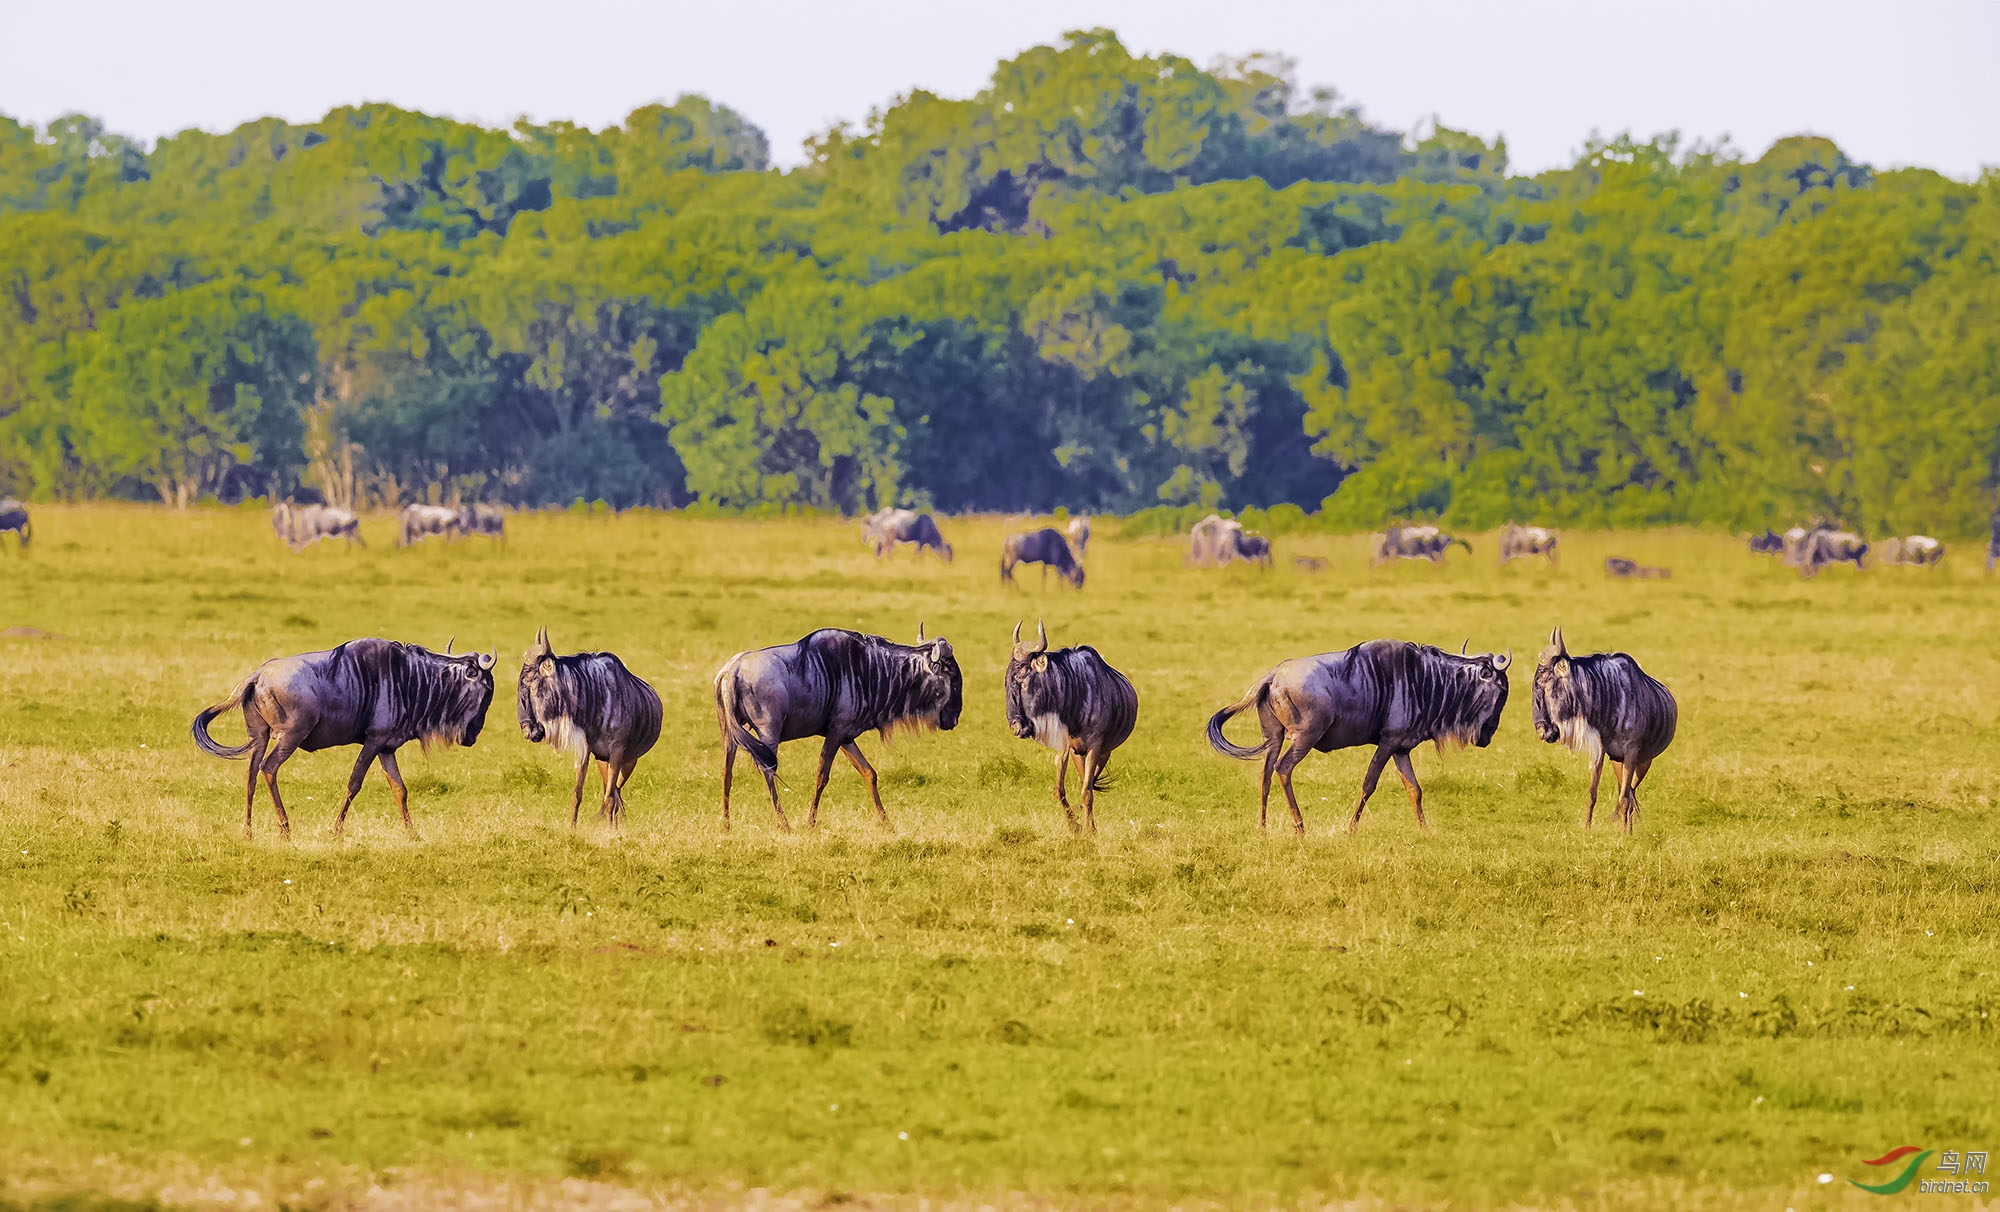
[(1041, 664)]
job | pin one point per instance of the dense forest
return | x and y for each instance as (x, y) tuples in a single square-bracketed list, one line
[(1106, 282)]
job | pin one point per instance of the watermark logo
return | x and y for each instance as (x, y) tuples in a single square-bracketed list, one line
[(1965, 1169)]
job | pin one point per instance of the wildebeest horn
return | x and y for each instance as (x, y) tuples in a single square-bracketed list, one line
[(1464, 646), (448, 643), (542, 641), (920, 631), (1017, 632), (1501, 662), (1556, 638), (1041, 637)]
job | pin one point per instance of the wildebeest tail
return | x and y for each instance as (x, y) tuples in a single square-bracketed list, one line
[(761, 752), (1222, 744), (199, 729)]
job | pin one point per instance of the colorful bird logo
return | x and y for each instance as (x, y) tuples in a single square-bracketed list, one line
[(1902, 1180)]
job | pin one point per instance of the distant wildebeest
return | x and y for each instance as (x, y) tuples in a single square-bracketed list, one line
[(1078, 531), (836, 685), (1768, 543), (1386, 693), (1520, 542), (420, 522), (1603, 705), (1414, 543), (14, 517), (1993, 544), (1310, 563), (1632, 570), (1046, 547), (1823, 547), (1073, 702), (889, 527), (1216, 541), (377, 694), (300, 526), (1920, 550), (589, 705), (489, 520)]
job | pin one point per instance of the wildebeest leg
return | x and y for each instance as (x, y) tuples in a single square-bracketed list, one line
[(1062, 789), (402, 793), (1293, 756), (368, 755), (1596, 773), (826, 753), (257, 744), (771, 785), (618, 796), (1093, 765), (576, 799), (728, 773), (1410, 785), (278, 756), (853, 752), (1633, 773), (1274, 744), (1368, 782), (604, 776)]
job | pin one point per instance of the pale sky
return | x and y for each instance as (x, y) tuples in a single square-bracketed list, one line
[(1915, 82)]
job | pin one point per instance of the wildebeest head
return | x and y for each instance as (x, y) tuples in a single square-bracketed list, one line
[(940, 686), (1553, 697), (539, 698), (1028, 661), (1487, 692), (464, 694)]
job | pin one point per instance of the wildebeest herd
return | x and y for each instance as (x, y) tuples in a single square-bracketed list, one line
[(839, 685)]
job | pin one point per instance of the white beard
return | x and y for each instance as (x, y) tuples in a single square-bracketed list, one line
[(1049, 731), (1581, 738), (566, 736)]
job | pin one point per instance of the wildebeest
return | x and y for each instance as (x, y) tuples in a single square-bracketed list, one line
[(1768, 543), (1520, 542), (1390, 694), (420, 522), (1075, 703), (1603, 705), (1921, 550), (1414, 543), (1632, 570), (14, 517), (1046, 547), (377, 694), (300, 526), (1216, 541), (1078, 531), (1823, 547), (589, 706), (489, 520), (837, 685), (885, 529), (1993, 544), (1310, 563)]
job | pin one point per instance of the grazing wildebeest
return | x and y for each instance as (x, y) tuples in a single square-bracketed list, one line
[(837, 685), (300, 526), (1520, 542), (1046, 547), (377, 694), (1310, 563), (1386, 693), (420, 522), (14, 517), (1632, 570), (1603, 705), (1768, 543), (1823, 547), (1078, 531), (589, 705), (1414, 543), (884, 530), (1216, 541), (1920, 550), (1073, 702), (489, 520)]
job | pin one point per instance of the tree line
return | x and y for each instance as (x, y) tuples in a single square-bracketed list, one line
[(1107, 282)]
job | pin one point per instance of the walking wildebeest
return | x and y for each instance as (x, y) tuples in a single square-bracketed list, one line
[(884, 530), (1216, 541), (1079, 534), (14, 517), (489, 520), (1520, 542), (1768, 543), (1046, 547), (377, 694), (1823, 547), (420, 522), (1073, 702), (1414, 543), (1632, 570), (1390, 694), (300, 526), (1603, 705), (837, 685), (589, 705), (1920, 550)]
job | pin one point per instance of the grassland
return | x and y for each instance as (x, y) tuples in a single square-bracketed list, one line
[(1790, 968)]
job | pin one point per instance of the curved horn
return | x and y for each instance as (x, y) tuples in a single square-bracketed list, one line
[(1464, 646), (1556, 638), (920, 631), (1501, 662), (542, 641), (448, 643), (1041, 636), (1017, 632)]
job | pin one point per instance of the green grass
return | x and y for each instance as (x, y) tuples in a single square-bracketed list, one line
[(1790, 968)]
